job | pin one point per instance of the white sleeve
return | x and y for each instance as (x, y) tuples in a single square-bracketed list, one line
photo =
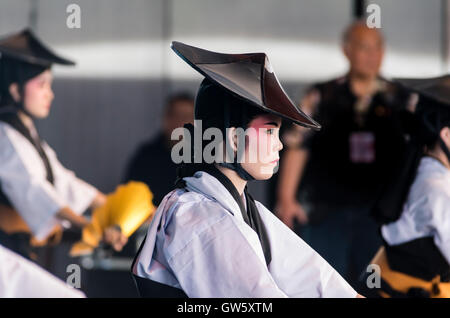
[(217, 260), (426, 214), (296, 268), (440, 221), (77, 193), (34, 198), (20, 278)]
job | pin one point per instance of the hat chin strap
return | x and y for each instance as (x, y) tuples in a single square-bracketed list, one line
[(236, 166), (15, 107), (444, 148), (441, 141), (20, 106)]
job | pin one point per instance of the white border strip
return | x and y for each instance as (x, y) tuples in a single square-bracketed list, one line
[(291, 60)]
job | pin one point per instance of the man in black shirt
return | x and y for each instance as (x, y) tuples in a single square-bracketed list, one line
[(152, 162), (364, 120)]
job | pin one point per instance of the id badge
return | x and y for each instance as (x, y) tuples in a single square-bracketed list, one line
[(362, 147)]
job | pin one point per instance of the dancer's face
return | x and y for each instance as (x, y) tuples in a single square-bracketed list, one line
[(38, 94), (262, 146)]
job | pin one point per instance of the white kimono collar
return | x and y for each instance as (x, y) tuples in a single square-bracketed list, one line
[(429, 165), (204, 183)]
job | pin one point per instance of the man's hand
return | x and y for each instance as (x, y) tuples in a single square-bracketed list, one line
[(289, 210), (99, 200), (114, 237)]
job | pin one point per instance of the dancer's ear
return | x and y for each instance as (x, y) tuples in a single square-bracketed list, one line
[(14, 92), (232, 138)]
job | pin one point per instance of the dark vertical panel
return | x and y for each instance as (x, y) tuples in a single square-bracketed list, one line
[(445, 31), (359, 7), (96, 124)]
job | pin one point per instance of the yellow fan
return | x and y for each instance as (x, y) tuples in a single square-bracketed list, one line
[(128, 207)]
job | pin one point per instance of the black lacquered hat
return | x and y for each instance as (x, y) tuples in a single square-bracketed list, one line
[(435, 88), (26, 47), (248, 76)]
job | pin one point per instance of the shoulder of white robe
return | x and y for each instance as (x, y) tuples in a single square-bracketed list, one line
[(20, 277)]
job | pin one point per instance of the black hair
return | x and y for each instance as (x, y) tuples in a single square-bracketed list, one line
[(432, 117), (16, 71), (217, 107)]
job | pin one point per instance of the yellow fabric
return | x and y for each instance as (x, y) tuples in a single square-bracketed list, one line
[(402, 282), (128, 207)]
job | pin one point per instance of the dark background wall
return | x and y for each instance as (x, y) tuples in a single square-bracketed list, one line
[(112, 100)]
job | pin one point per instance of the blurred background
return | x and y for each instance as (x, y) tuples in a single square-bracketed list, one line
[(112, 100)]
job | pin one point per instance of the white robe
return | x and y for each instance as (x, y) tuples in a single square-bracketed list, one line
[(20, 278), (199, 242), (426, 211), (23, 181)]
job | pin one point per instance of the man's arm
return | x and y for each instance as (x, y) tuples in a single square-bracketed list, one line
[(291, 170), (111, 235), (66, 213), (292, 166)]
